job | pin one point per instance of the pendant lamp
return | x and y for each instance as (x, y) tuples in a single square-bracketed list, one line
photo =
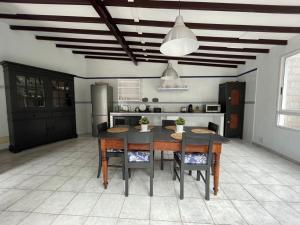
[(180, 40), (169, 73)]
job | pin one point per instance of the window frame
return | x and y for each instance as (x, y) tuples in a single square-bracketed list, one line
[(282, 80)]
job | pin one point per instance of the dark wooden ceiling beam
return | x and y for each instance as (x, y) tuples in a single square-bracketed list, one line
[(153, 51), (52, 2), (148, 44), (108, 20), (234, 62), (203, 6), (162, 57), (153, 23), (148, 35), (149, 60), (80, 40), (213, 39), (207, 6)]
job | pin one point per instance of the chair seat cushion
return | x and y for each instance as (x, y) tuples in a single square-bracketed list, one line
[(138, 156), (194, 158), (115, 150)]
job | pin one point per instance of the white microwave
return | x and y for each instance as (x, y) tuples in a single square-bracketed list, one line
[(213, 108)]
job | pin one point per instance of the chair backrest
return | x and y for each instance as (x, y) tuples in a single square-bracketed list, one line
[(165, 123), (213, 127), (140, 137), (189, 138), (101, 127)]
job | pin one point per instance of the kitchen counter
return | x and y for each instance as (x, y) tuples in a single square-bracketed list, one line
[(164, 114), (192, 119)]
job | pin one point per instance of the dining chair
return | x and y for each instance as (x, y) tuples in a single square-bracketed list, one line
[(213, 127), (137, 158), (188, 160), (102, 127), (165, 123)]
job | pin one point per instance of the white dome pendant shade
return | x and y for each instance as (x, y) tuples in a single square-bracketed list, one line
[(169, 73), (180, 40)]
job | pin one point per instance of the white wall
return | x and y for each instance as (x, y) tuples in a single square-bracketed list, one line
[(21, 47), (201, 90), (266, 133), (250, 95)]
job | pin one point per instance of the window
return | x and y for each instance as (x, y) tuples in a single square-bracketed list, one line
[(129, 90), (289, 104)]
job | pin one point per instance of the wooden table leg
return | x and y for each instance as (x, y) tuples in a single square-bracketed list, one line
[(216, 172), (104, 163)]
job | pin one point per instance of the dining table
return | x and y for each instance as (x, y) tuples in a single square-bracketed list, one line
[(162, 141)]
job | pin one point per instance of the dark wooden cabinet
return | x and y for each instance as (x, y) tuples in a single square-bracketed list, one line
[(40, 105), (232, 101)]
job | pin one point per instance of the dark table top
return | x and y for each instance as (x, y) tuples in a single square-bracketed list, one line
[(162, 134)]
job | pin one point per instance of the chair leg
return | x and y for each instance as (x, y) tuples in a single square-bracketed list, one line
[(174, 169), (190, 172), (181, 183), (161, 160), (123, 172), (151, 180), (198, 175), (99, 167), (207, 184), (126, 181)]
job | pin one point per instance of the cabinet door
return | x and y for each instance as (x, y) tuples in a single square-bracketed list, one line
[(235, 109), (62, 94), (29, 92), (60, 128), (29, 133)]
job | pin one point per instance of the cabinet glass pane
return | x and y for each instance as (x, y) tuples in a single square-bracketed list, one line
[(61, 94)]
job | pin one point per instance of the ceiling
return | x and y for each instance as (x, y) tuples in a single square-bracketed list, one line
[(230, 32)]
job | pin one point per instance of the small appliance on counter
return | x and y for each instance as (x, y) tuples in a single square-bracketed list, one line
[(190, 108), (183, 109), (157, 110), (212, 108)]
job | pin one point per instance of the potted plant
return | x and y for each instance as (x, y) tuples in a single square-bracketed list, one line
[(144, 122), (179, 124)]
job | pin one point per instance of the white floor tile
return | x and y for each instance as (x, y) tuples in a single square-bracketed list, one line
[(30, 201), (282, 212), (69, 220), (55, 203), (38, 219), (108, 205), (254, 213), (53, 183), (223, 212), (194, 210), (164, 208), (10, 196), (81, 204), (136, 207), (12, 218), (101, 221)]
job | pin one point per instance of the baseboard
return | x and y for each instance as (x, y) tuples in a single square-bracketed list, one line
[(276, 153)]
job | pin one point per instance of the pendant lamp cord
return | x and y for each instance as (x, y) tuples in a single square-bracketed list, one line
[(179, 7)]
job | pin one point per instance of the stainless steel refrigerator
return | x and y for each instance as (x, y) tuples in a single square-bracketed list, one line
[(102, 104)]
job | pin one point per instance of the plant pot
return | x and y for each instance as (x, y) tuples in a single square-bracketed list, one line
[(144, 127), (179, 128)]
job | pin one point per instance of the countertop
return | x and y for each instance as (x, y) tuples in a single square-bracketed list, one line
[(164, 114)]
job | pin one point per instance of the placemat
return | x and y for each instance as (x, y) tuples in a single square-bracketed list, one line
[(170, 128), (177, 136), (139, 127), (202, 131), (117, 129)]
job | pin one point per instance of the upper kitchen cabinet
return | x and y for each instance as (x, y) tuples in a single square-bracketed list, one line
[(232, 101), (40, 105)]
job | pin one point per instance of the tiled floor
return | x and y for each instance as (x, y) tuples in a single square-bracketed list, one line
[(56, 184)]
